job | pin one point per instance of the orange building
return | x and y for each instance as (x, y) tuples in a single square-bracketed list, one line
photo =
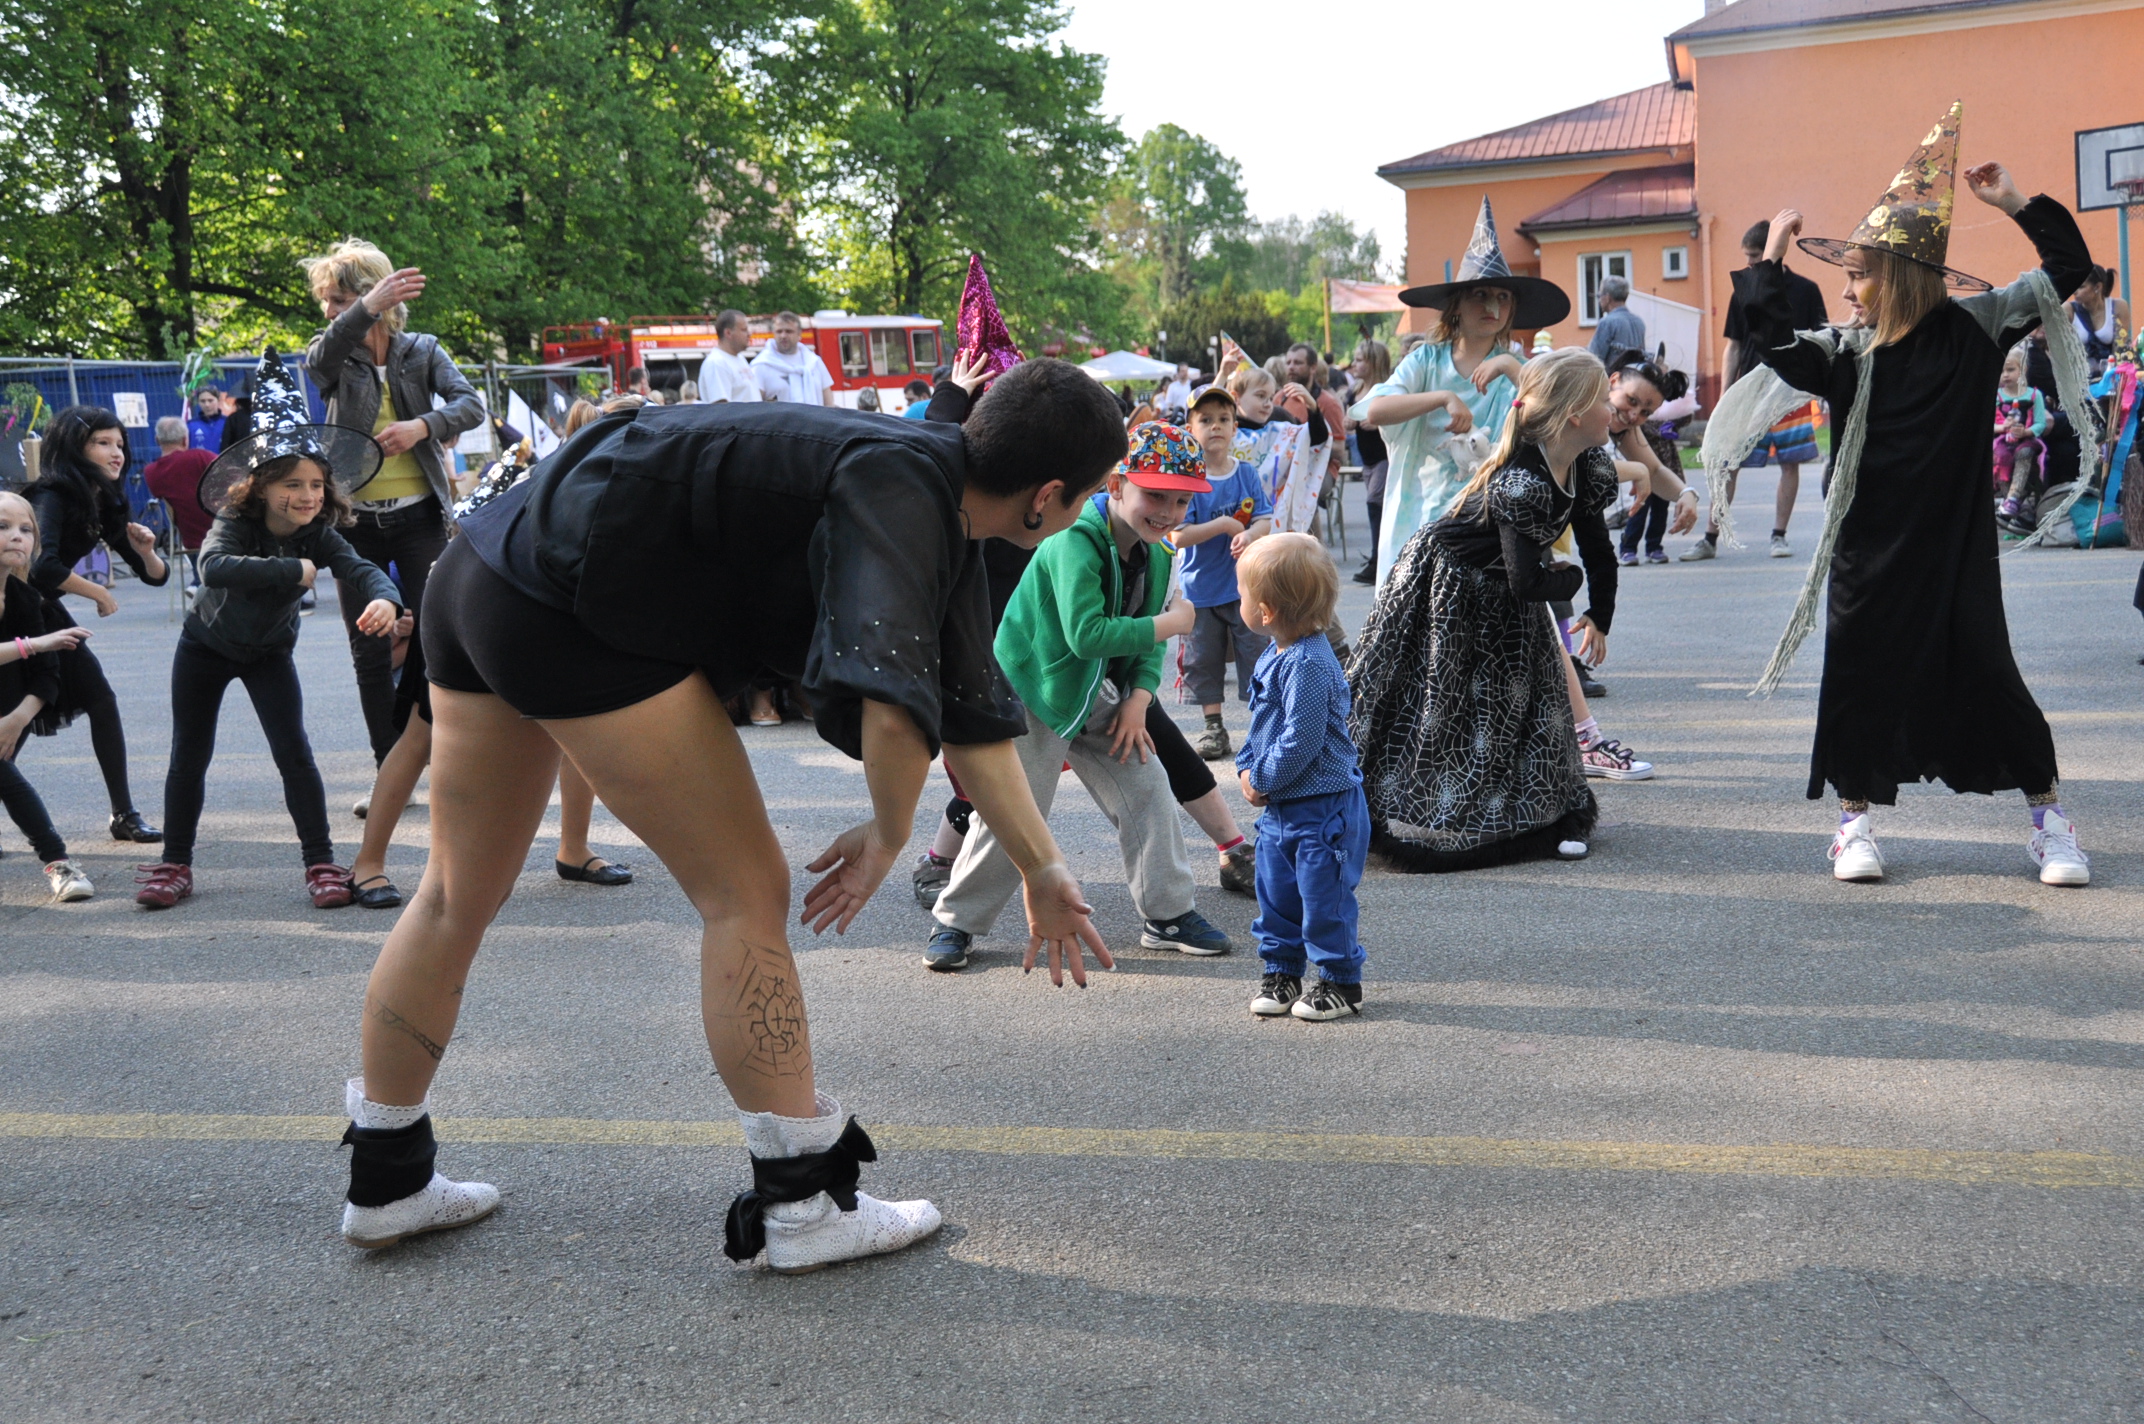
[(1811, 104)]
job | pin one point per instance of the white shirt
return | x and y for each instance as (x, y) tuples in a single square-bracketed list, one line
[(724, 377), (801, 377)]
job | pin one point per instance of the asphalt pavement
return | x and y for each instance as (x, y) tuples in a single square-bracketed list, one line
[(1685, 1131)]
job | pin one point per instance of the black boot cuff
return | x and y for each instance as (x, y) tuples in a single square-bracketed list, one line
[(388, 1164), (791, 1179)]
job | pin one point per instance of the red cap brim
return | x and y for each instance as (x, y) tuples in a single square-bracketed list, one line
[(1159, 480)]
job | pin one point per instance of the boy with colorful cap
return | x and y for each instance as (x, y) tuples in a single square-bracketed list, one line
[(1218, 527), (1081, 643)]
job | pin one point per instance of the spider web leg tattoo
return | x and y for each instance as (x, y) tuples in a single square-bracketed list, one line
[(770, 1006)]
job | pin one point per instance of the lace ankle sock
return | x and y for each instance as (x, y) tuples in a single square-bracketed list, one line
[(1589, 732)]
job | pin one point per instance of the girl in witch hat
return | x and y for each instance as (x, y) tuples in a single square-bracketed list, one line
[(1919, 682), (1462, 378), (277, 496)]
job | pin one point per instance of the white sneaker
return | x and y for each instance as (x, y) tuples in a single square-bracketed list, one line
[(1853, 851), (363, 806), (1779, 547), (2054, 850), (441, 1206), (1610, 758), (812, 1234), (70, 884)]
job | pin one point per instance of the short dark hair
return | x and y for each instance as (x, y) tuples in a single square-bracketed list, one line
[(1044, 420), (636, 375), (727, 318), (1759, 234), (248, 495), (918, 387)]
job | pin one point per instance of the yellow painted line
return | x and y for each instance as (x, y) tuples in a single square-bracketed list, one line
[(1789, 1159)]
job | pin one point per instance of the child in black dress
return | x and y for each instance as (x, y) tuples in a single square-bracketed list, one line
[(29, 683), (278, 500)]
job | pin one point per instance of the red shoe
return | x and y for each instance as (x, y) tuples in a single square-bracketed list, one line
[(164, 885), (329, 885)]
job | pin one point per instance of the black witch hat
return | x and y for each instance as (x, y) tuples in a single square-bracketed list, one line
[(1539, 302), (283, 426)]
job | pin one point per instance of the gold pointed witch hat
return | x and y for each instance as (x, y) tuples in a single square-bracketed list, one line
[(1912, 219)]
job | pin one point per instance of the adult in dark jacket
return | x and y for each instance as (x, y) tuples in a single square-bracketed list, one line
[(80, 499), (382, 380), (1919, 681), (839, 548)]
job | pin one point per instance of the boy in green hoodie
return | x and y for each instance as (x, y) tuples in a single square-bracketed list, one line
[(1081, 642)]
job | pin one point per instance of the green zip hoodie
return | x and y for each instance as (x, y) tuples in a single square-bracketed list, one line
[(1059, 636)]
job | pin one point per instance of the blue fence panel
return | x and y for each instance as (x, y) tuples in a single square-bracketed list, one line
[(157, 383)]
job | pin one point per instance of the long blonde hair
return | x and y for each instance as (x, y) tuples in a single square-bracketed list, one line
[(352, 268), (1552, 388), (36, 544), (1376, 360), (1906, 292)]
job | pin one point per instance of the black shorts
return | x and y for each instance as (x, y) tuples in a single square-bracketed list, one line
[(481, 634)]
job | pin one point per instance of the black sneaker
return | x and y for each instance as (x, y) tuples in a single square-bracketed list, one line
[(1368, 572), (1189, 932), (129, 826), (1239, 870), (948, 949), (1586, 684), (1327, 1000), (933, 873), (1275, 993)]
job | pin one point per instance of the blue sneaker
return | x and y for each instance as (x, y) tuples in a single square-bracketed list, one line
[(1189, 932), (948, 949)]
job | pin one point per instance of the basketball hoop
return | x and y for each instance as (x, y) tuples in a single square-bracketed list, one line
[(2125, 174)]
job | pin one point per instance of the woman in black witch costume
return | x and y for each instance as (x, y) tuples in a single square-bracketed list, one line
[(1461, 709), (1919, 682)]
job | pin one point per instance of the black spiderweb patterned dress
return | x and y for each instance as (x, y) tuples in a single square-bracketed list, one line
[(1461, 710)]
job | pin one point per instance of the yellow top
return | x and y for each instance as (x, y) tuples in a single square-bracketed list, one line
[(400, 475)]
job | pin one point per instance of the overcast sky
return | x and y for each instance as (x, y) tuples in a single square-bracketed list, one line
[(1422, 77)]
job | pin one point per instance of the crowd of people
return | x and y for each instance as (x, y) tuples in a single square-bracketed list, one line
[(994, 583)]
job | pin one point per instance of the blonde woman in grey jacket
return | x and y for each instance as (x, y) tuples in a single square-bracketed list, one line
[(402, 389)]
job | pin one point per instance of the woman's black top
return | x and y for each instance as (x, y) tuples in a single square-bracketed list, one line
[(1371, 443), (1526, 512), (39, 675), (73, 515), (804, 541)]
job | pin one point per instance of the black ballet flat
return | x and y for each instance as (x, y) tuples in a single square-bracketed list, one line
[(129, 826), (381, 895), (611, 874)]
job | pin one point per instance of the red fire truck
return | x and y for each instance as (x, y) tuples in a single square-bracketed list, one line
[(881, 352)]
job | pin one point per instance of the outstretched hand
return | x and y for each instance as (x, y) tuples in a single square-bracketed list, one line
[(1786, 226), (855, 866), (970, 371), (1991, 184), (1058, 925), (1592, 646)]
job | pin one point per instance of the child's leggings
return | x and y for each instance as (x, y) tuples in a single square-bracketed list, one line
[(27, 809), (199, 676), (1311, 853), (2019, 465)]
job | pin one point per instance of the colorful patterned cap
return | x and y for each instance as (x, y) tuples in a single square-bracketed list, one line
[(1165, 457), (1912, 219)]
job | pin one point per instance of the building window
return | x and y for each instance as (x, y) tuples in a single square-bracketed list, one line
[(1674, 263), (1592, 267), (925, 344), (853, 361)]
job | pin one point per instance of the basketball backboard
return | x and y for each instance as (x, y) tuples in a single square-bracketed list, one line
[(2107, 158)]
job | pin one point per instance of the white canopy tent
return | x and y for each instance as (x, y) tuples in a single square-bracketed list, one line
[(1127, 366)]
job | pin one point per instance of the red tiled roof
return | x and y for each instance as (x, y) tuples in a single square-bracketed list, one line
[(1657, 116), (1630, 195), (1746, 15)]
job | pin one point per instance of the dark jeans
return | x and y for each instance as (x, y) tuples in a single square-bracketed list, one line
[(409, 540), (1650, 522), (199, 676), (27, 809)]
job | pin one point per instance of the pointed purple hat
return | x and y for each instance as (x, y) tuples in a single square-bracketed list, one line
[(981, 329)]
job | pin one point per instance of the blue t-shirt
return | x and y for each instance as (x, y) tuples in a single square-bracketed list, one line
[(1209, 569), (917, 409)]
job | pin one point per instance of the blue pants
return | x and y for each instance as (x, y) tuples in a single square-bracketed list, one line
[(1310, 858)]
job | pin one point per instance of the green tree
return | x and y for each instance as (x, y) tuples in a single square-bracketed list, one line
[(1250, 317), (1177, 202), (1290, 254), (921, 130)]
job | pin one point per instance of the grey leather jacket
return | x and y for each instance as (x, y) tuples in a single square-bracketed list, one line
[(418, 368)]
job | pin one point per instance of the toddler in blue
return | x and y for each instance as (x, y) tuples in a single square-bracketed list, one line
[(1299, 764)]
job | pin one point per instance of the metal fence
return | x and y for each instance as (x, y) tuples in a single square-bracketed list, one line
[(142, 392)]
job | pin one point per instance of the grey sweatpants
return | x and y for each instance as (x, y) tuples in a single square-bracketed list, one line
[(1134, 795)]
